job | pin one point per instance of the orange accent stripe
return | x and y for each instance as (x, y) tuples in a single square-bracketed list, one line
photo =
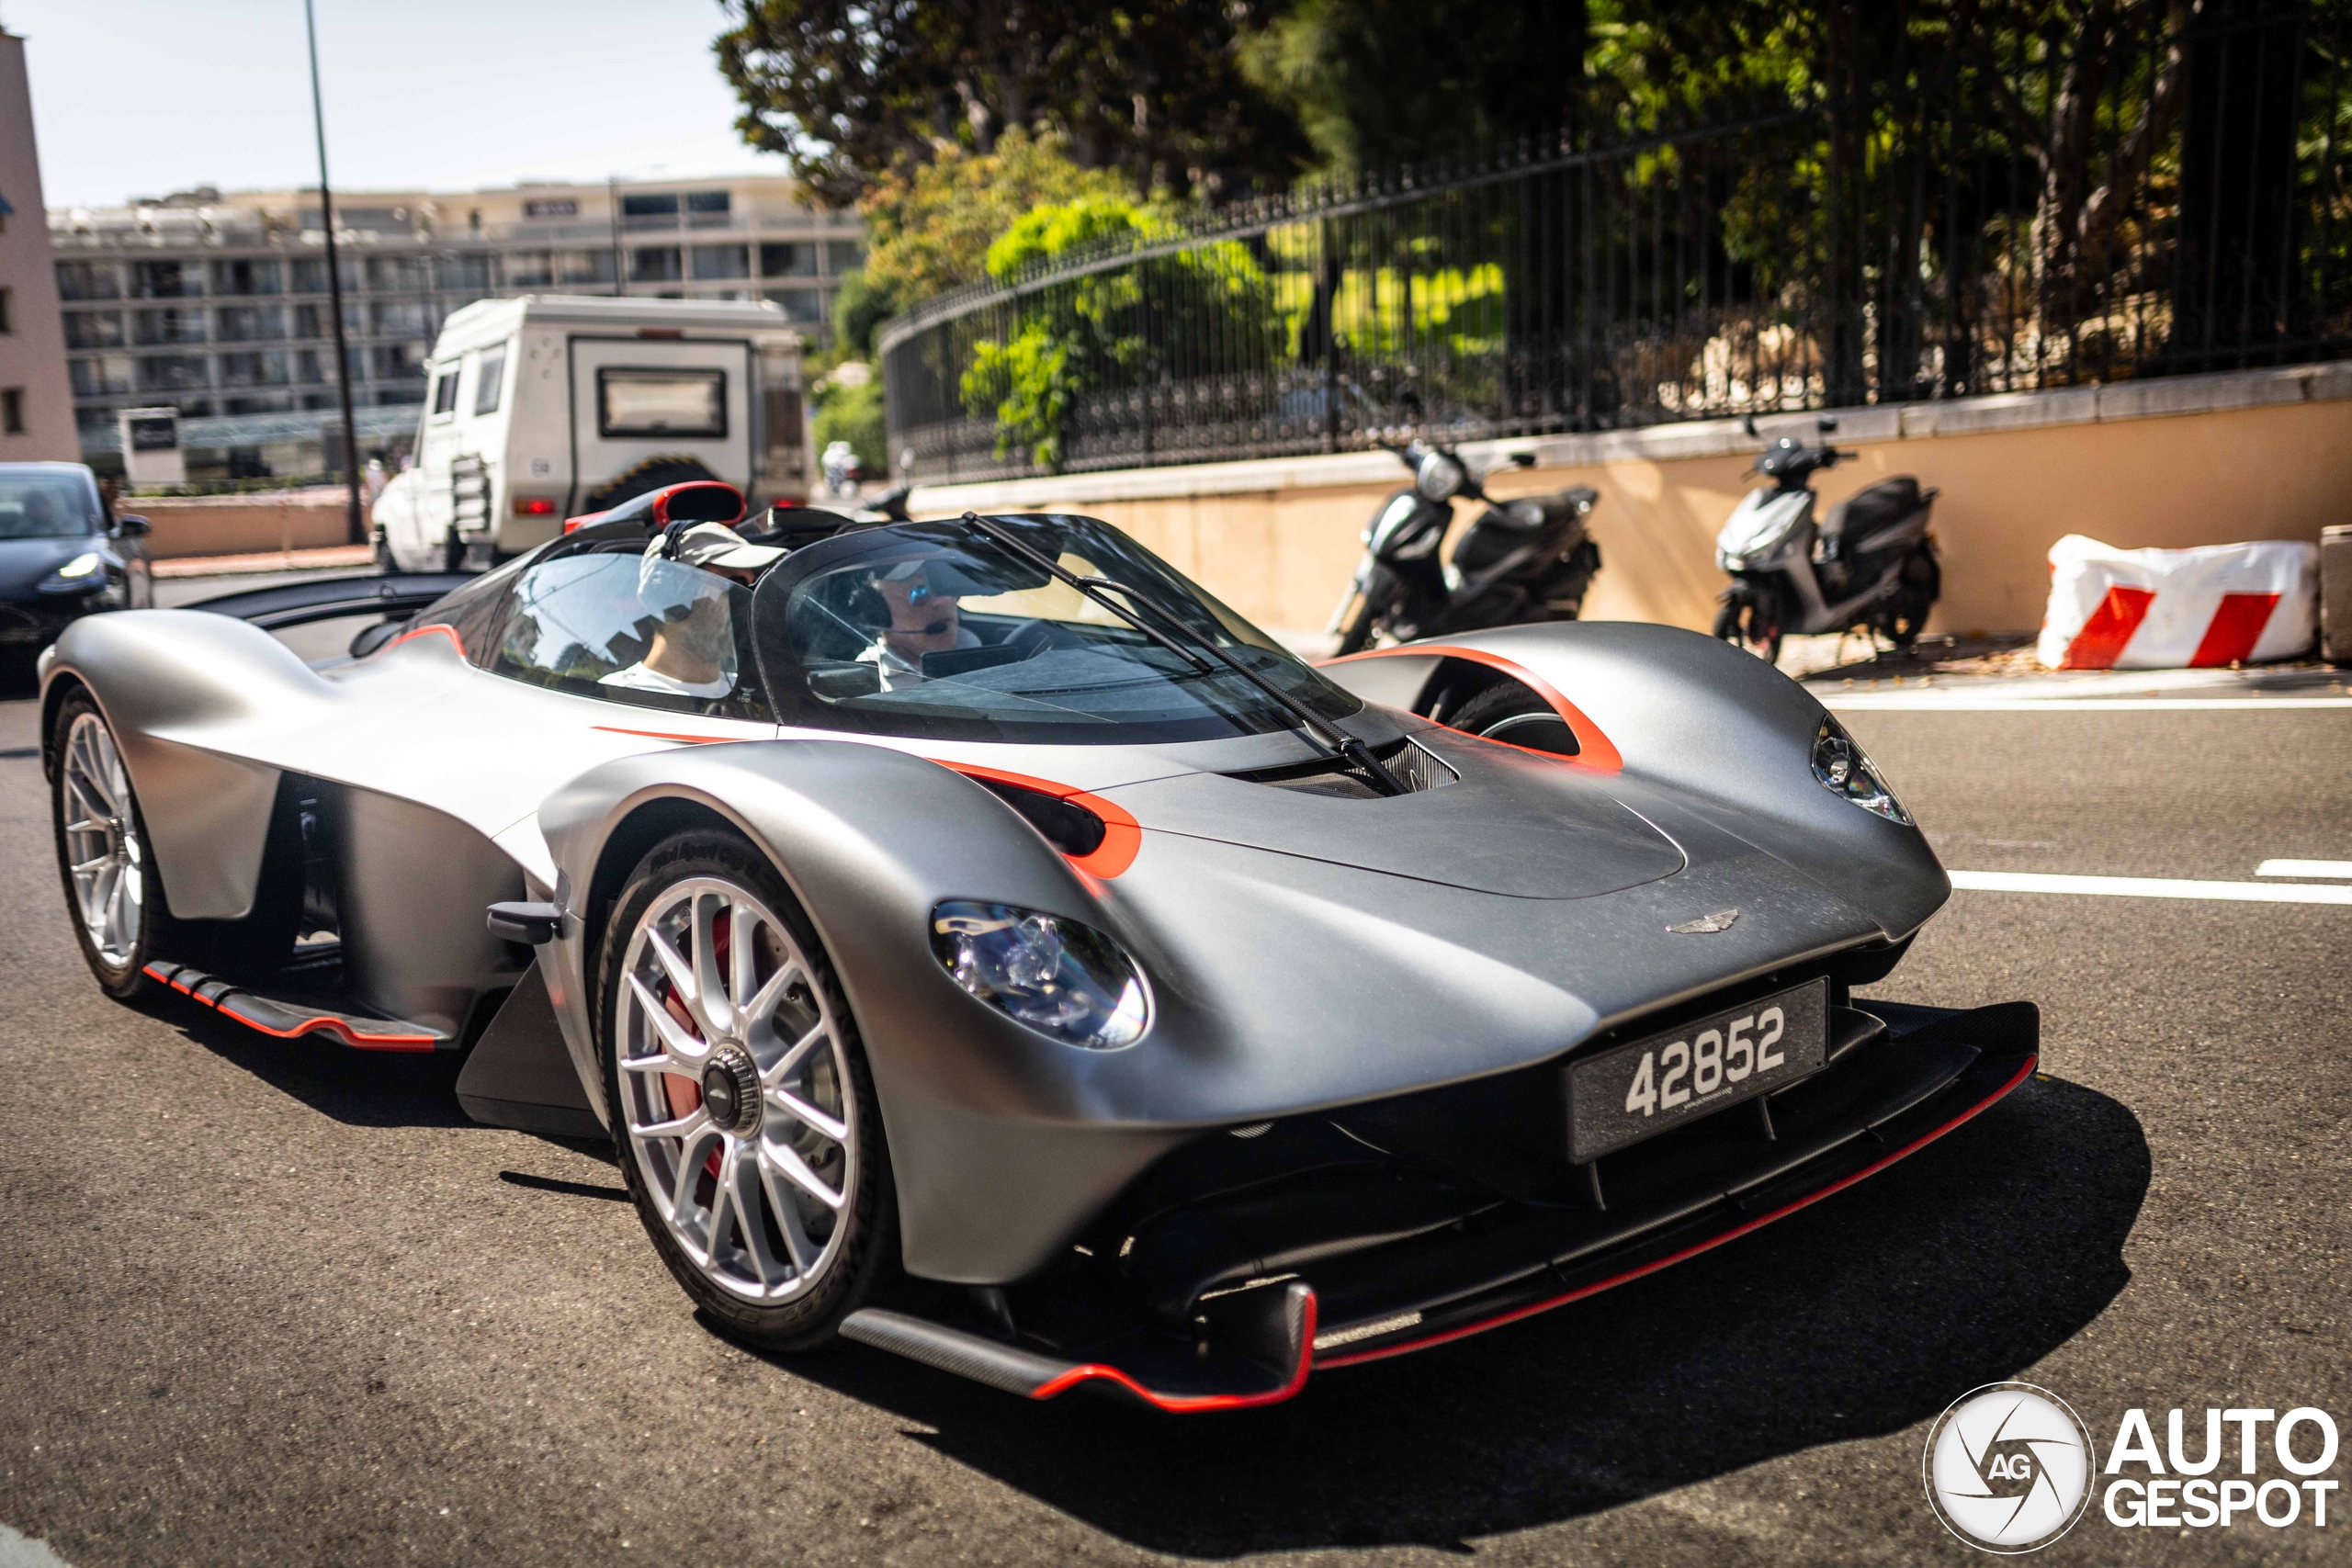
[(448, 631), (1122, 834), (1595, 749), (688, 739), (1186, 1402), (1695, 1248)]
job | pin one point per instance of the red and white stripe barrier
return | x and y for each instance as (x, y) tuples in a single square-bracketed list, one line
[(2113, 609)]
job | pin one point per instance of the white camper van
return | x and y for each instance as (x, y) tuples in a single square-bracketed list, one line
[(542, 408)]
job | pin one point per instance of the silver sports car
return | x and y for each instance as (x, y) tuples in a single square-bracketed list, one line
[(981, 943)]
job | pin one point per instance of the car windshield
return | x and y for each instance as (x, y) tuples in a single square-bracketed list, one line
[(934, 629), (46, 505)]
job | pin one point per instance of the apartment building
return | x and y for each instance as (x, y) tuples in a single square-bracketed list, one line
[(218, 304), (36, 415)]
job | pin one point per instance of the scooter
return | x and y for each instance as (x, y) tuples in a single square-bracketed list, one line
[(1527, 559), (1870, 568)]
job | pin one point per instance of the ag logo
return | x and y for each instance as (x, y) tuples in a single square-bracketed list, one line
[(2008, 1467)]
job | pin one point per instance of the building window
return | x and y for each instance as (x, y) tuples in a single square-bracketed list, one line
[(721, 261), (489, 375), (587, 267), (399, 318), (466, 275), (649, 212), (93, 328), (267, 369), (89, 280), (654, 264), (399, 361), (707, 209), (788, 260), (166, 279), (100, 374), (171, 373), (398, 397), (170, 326), (397, 275), (546, 207), (314, 320), (252, 323), (245, 277), (844, 255), (529, 269), (12, 410), (799, 304)]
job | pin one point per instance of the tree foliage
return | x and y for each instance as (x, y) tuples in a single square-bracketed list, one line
[(848, 89)]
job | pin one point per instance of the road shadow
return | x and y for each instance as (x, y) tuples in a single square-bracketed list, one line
[(1863, 1315), (360, 1089)]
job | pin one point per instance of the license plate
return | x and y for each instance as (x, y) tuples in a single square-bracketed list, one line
[(1636, 1091)]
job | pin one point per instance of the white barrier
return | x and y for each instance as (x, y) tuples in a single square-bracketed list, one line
[(2113, 609)]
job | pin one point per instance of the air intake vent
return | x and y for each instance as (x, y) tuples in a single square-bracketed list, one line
[(1416, 768)]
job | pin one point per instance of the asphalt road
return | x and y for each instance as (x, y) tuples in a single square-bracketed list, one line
[(263, 1303)]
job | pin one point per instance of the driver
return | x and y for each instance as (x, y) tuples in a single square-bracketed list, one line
[(923, 620), (688, 579)]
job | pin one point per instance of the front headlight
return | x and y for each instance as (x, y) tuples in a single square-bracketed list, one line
[(1845, 771), (82, 565), (1060, 978)]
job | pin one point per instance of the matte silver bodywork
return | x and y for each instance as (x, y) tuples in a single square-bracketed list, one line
[(1301, 952)]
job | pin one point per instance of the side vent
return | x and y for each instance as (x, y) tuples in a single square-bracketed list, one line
[(1414, 768), (1070, 828)]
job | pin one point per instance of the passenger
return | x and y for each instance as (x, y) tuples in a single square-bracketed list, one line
[(688, 582), (923, 620)]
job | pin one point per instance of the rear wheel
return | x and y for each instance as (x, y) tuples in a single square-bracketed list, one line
[(654, 473), (1907, 613), (750, 1139), (102, 855)]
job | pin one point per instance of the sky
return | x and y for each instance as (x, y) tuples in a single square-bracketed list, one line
[(139, 97)]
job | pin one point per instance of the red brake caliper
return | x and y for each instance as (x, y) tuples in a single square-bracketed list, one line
[(684, 1093)]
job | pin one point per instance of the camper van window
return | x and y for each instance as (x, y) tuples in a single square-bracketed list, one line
[(660, 403), (444, 391), (488, 378)]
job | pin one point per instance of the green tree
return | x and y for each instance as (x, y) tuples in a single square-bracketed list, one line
[(848, 89)]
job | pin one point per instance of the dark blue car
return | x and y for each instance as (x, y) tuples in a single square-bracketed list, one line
[(63, 555)]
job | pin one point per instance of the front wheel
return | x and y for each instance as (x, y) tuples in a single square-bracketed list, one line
[(738, 1089)]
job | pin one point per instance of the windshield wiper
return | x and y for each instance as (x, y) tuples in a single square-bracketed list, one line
[(1341, 744)]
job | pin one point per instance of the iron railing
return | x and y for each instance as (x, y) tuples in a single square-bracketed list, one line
[(2012, 218)]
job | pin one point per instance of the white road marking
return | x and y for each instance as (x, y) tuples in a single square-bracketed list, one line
[(2149, 887), (1969, 702), (22, 1551), (2304, 868)]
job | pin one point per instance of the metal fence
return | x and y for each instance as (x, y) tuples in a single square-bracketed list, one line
[(2011, 218)]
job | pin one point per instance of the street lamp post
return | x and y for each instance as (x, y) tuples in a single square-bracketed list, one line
[(355, 528)]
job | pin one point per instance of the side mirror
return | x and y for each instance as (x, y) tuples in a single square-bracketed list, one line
[(130, 526)]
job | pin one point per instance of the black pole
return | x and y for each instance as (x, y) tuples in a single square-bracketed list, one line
[(353, 528), (620, 278)]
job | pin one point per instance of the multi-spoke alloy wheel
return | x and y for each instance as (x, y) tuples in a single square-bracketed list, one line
[(739, 1093), (105, 861)]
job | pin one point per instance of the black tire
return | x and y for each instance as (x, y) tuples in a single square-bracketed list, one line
[(867, 1217), (654, 473), (1915, 599), (1356, 635), (1510, 712)]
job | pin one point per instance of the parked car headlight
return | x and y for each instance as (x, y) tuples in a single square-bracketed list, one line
[(1060, 978), (78, 575), (1844, 771)]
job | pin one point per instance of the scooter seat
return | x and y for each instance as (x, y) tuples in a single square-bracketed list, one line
[(1867, 511)]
